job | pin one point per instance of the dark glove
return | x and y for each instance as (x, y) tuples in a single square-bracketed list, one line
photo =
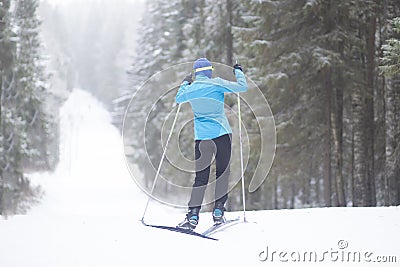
[(237, 67), (188, 78)]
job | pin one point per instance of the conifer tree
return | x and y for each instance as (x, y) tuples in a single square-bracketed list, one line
[(7, 52), (31, 84), (391, 68), (23, 121)]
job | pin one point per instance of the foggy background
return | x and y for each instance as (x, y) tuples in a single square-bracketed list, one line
[(90, 44)]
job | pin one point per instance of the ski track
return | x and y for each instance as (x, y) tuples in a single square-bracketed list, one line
[(91, 210)]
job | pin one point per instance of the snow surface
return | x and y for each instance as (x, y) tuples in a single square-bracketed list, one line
[(89, 216)]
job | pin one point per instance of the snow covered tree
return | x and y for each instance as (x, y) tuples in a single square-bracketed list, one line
[(290, 60), (391, 51), (390, 66), (24, 135), (160, 46), (360, 56), (7, 51), (310, 57), (14, 186), (31, 84)]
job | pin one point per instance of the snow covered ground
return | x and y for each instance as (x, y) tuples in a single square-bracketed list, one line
[(89, 216)]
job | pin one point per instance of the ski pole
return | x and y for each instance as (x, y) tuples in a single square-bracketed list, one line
[(241, 158), (161, 161), (241, 155)]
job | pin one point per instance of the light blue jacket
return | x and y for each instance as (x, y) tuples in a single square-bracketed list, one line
[(206, 96)]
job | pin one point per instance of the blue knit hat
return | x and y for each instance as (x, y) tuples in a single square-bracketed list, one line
[(203, 66)]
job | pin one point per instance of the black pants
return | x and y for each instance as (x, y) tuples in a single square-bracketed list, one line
[(204, 151)]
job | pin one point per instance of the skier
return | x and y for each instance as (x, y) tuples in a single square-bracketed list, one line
[(212, 135)]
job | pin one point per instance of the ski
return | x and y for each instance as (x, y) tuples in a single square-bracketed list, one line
[(219, 227), (179, 230)]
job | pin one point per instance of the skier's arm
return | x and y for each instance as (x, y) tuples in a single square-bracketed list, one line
[(181, 96), (234, 87)]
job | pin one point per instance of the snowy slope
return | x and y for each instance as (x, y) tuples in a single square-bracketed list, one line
[(90, 216)]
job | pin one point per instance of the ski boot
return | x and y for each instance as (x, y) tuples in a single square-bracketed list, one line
[(218, 214), (191, 220)]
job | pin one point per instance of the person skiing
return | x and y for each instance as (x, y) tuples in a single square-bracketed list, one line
[(212, 135)]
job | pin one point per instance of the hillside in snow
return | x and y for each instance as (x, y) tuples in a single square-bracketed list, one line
[(91, 209)]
